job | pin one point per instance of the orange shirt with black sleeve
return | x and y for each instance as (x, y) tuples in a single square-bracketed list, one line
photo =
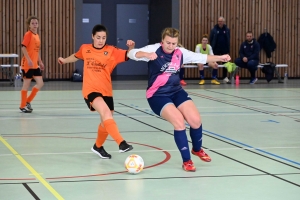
[(32, 43), (98, 66)]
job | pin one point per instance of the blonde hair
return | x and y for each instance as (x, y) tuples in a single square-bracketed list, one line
[(171, 32), (28, 20)]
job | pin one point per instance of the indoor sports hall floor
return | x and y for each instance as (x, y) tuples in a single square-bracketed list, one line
[(252, 133)]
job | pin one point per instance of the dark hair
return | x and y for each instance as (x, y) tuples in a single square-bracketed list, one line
[(28, 20), (99, 28), (249, 32), (205, 36)]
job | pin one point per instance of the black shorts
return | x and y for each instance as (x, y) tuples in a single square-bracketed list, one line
[(31, 73), (90, 98)]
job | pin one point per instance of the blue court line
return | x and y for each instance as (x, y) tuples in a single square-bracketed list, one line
[(246, 145), (242, 144)]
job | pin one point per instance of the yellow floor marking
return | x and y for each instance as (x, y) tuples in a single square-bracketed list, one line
[(28, 166)]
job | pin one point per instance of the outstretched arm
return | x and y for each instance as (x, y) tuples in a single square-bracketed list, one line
[(69, 59), (191, 57), (222, 58), (146, 53), (149, 56)]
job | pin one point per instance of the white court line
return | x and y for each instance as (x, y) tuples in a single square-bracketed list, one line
[(117, 116), (127, 108), (145, 151), (148, 108), (140, 116)]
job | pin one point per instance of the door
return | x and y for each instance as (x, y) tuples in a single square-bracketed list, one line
[(91, 15), (132, 23)]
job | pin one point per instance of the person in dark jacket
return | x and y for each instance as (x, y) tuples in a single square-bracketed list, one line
[(219, 40), (249, 55)]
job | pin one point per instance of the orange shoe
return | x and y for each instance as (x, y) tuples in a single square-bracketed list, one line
[(189, 166), (182, 82), (202, 155)]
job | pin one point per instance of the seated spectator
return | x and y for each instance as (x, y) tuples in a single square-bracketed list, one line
[(249, 56), (205, 48)]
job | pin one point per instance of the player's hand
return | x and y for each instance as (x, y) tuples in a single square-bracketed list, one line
[(42, 67), (61, 60), (130, 44), (245, 59), (30, 63), (151, 56), (225, 58)]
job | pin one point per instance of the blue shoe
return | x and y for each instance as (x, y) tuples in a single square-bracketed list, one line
[(253, 81)]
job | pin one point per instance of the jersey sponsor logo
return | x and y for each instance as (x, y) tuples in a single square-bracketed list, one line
[(184, 148), (170, 68), (88, 51), (95, 66), (105, 52)]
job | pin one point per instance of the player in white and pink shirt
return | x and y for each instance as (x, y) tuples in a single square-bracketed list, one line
[(165, 95)]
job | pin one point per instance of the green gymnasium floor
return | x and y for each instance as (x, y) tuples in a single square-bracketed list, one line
[(251, 132)]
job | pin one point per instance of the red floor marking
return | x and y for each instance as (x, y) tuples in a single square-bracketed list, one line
[(167, 158)]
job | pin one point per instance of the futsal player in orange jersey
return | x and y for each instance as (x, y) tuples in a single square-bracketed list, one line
[(99, 61), (31, 64)]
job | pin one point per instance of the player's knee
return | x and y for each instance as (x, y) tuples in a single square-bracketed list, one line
[(40, 85), (195, 122), (179, 124), (200, 66)]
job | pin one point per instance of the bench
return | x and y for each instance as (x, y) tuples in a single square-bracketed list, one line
[(261, 65), (7, 70)]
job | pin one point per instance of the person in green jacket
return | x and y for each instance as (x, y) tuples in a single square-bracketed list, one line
[(205, 48)]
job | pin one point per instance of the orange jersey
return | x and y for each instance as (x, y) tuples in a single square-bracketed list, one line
[(32, 43), (98, 66)]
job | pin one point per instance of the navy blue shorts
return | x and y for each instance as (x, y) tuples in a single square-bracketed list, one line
[(157, 103)]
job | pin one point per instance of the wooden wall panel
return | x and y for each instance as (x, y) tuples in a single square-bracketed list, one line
[(280, 18), (56, 30)]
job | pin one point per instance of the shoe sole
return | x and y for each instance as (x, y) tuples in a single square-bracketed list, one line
[(28, 111), (128, 149), (188, 170), (201, 158), (96, 152)]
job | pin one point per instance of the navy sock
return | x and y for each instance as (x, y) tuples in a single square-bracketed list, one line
[(201, 72), (196, 136), (182, 144), (214, 73)]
